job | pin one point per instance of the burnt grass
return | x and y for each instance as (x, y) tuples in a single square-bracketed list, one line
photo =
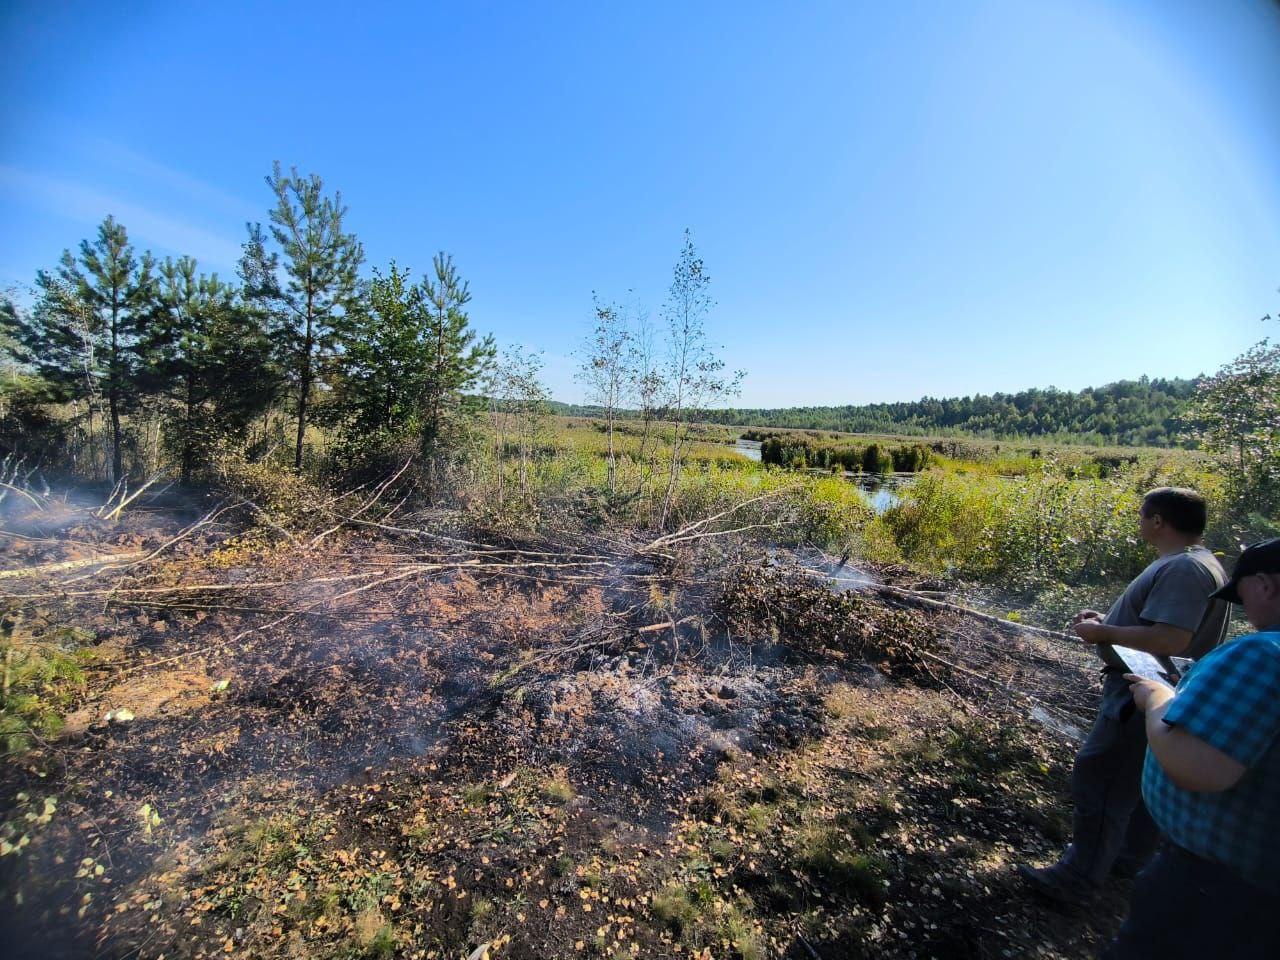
[(701, 756)]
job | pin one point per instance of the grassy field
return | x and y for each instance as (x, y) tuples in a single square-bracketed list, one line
[(1053, 528)]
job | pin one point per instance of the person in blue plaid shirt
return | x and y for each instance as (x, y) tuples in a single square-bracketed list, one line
[(1212, 785)]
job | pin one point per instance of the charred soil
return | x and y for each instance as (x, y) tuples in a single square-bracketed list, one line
[(424, 742)]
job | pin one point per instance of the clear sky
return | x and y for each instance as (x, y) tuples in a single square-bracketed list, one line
[(892, 199)]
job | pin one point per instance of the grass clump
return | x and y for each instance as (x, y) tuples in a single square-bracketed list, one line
[(722, 850), (372, 935), (698, 917), (562, 866), (742, 935), (673, 906), (826, 852), (757, 818), (477, 795), (556, 789)]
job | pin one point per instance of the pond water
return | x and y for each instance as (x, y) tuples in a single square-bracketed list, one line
[(880, 491)]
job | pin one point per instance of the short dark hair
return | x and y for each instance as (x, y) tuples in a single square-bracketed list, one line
[(1181, 507)]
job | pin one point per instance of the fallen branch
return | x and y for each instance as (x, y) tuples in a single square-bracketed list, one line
[(124, 502), (1009, 691), (377, 494), (913, 597), (112, 560), (665, 625), (685, 532), (19, 490), (117, 491), (204, 521)]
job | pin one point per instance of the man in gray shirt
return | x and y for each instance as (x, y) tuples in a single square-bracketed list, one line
[(1166, 611)]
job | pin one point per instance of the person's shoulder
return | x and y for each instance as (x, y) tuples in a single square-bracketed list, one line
[(1206, 557), (1248, 652), (1266, 642), (1199, 561)]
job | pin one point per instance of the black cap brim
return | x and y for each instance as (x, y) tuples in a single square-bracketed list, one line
[(1228, 591)]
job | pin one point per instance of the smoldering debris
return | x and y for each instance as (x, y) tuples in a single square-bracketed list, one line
[(262, 672)]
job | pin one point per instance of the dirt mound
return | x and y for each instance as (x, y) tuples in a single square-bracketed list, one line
[(144, 697)]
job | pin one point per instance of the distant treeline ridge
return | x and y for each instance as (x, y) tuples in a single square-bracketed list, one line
[(1143, 412)]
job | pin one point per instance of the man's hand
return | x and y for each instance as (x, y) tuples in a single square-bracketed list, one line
[(1086, 615), (1148, 694), (1091, 631)]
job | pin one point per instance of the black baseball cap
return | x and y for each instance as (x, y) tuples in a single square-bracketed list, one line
[(1260, 558)]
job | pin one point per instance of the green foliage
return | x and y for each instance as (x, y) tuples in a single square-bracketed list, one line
[(318, 263), (800, 451), (1236, 415), (208, 359), (83, 336), (1047, 526), (32, 814), (41, 668), (29, 431), (389, 368), (456, 360), (283, 499)]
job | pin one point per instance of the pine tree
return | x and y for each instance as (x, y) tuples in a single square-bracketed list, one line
[(84, 333), (307, 313), (455, 362), (384, 364), (208, 357)]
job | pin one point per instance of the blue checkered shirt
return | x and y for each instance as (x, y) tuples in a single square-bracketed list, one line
[(1231, 700)]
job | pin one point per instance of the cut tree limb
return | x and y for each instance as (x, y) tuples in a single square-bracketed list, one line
[(112, 560)]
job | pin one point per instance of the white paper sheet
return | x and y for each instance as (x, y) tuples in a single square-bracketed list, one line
[(1143, 664)]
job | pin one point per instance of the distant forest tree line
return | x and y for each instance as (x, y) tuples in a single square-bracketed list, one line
[(1143, 412)]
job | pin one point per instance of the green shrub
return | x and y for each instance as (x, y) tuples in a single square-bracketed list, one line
[(1049, 526), (42, 668)]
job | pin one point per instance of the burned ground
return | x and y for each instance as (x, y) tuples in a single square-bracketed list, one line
[(385, 744)]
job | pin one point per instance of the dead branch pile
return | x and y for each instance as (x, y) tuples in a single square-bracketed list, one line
[(980, 658), (792, 608)]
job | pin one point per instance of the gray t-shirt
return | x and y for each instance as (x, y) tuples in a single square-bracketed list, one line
[(1174, 590)]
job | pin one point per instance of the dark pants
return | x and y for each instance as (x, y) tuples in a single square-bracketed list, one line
[(1110, 822), (1184, 906)]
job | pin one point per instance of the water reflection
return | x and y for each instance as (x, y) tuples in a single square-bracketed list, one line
[(879, 490)]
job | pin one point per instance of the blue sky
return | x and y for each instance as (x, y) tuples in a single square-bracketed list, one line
[(893, 200)]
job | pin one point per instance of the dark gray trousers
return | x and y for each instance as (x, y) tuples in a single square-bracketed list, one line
[(1184, 907), (1111, 822)]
